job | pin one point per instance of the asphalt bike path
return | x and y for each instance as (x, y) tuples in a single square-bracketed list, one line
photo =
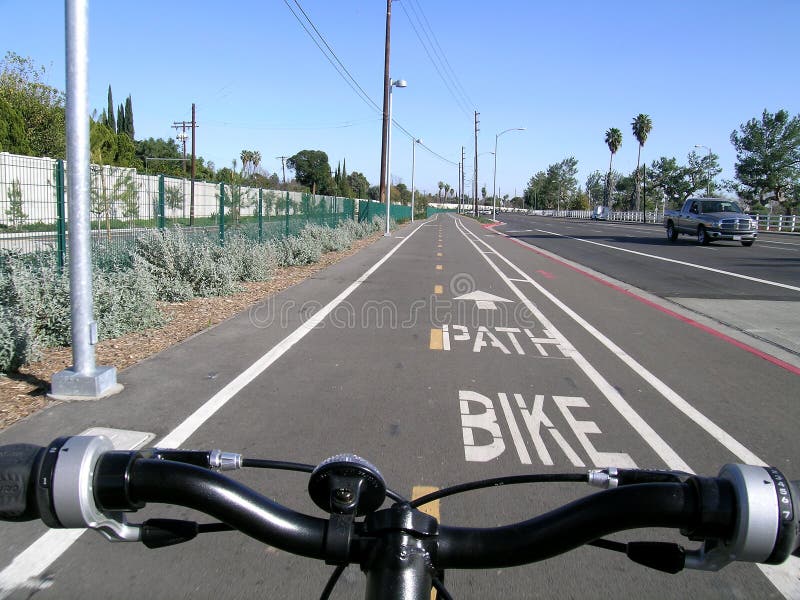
[(746, 391), (411, 371)]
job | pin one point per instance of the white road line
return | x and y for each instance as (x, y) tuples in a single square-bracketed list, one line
[(783, 577), (677, 262), (37, 557)]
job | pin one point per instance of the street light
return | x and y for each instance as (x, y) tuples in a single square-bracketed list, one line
[(401, 83), (494, 184), (708, 188), (413, 165)]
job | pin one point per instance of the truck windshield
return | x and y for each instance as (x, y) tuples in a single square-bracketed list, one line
[(717, 206)]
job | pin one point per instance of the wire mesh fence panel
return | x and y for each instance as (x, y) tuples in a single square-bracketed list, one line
[(28, 207), (367, 209), (125, 203)]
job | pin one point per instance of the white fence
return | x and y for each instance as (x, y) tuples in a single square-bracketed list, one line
[(782, 223)]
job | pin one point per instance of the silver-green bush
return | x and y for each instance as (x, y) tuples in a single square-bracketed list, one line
[(183, 268), (35, 302)]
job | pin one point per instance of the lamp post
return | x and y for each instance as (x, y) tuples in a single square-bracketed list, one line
[(708, 187), (401, 83), (494, 184), (413, 166)]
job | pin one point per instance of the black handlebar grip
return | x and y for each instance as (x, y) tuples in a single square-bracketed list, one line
[(18, 467)]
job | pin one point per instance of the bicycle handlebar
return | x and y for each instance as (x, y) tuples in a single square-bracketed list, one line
[(746, 513)]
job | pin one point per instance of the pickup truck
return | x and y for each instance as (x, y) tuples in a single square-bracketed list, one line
[(711, 219)]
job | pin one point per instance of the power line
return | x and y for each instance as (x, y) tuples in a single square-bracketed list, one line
[(349, 79), (433, 62), (447, 62)]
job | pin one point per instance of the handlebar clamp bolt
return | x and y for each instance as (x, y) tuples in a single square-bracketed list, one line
[(344, 495)]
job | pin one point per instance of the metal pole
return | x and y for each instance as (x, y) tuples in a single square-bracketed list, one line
[(83, 380), (494, 177), (387, 90), (194, 173), (475, 171), (388, 182), (413, 166)]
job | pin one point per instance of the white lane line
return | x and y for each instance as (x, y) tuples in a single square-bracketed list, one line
[(763, 243), (783, 577), (677, 262), (637, 423), (50, 546)]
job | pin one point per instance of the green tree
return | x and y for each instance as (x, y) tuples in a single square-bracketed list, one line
[(594, 187), (312, 169), (40, 106), (102, 143), (125, 155), (109, 114), (701, 171), (613, 141), (642, 125), (159, 148), (768, 156), (129, 130), (554, 188), (14, 211), (121, 119), (678, 182), (13, 138)]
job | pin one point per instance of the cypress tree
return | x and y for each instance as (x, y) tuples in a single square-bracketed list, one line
[(129, 117), (110, 112), (120, 119)]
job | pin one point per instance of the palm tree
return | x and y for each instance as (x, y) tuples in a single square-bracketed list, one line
[(614, 141), (642, 125), (441, 186)]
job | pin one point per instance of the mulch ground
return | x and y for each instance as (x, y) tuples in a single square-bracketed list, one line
[(24, 393)]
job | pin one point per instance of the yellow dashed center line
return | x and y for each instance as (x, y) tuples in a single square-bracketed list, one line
[(439, 267), (439, 254), (438, 289), (436, 339)]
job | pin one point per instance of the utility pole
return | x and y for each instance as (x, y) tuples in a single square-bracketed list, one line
[(463, 191), (382, 193), (475, 174), (283, 164), (182, 125), (459, 186), (194, 173)]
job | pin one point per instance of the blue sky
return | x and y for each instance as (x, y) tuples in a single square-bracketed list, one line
[(566, 71)]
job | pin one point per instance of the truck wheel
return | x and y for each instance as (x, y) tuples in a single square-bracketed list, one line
[(672, 233), (747, 243), (702, 236)]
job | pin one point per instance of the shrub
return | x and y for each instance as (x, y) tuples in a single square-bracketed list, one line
[(333, 239), (248, 260), (35, 303), (300, 249), (17, 344), (184, 268)]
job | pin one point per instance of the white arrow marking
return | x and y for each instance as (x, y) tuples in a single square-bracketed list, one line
[(483, 300)]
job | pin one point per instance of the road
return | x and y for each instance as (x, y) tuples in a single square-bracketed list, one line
[(443, 354)]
